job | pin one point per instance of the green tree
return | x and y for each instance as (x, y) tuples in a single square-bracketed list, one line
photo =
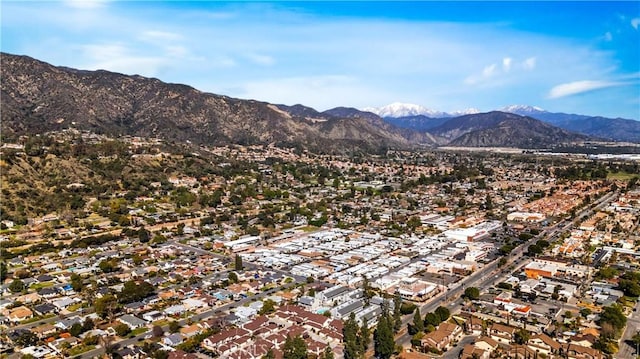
[(397, 312), (107, 266), (26, 339), (635, 339), (237, 265), (630, 288), (3, 271), (384, 344), (522, 336), (614, 316), (143, 235), (367, 290), (295, 348), (106, 306), (133, 291), (157, 331), (174, 326), (76, 282), (16, 286), (233, 277), (350, 338), (414, 222), (471, 293), (87, 325), (365, 335), (122, 330), (76, 329), (268, 307), (585, 312), (431, 319), (327, 353), (443, 313), (418, 324)]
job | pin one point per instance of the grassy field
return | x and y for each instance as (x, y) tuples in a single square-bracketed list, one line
[(623, 176)]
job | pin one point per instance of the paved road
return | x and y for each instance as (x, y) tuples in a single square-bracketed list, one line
[(490, 273), (197, 317), (454, 352), (626, 350)]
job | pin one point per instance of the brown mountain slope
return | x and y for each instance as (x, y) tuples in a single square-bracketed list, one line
[(38, 97), (496, 129)]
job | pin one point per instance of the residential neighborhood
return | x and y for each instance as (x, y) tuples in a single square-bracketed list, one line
[(264, 249)]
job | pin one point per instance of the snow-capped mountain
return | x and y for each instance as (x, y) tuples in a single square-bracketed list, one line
[(522, 110), (398, 109), (469, 111)]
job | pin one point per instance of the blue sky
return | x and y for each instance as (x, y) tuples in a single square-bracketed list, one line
[(575, 57)]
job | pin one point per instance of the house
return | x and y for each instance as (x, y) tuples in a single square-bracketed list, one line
[(191, 330), (172, 340), (213, 342), (132, 322), (585, 340), (542, 343), (19, 314), (192, 303), (153, 316), (179, 354), (245, 313), (36, 351), (48, 292), (67, 323), (28, 298), (517, 351), (175, 310), (470, 351), (134, 307), (486, 343), (45, 308), (44, 330), (442, 337), (573, 351), (64, 302), (132, 353), (475, 325), (502, 333), (61, 343)]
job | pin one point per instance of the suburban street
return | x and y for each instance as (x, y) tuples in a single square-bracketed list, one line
[(489, 274), (626, 350)]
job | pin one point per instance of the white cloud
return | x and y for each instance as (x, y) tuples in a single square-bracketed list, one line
[(635, 22), (500, 74), (160, 35), (413, 61), (259, 59), (529, 64), (577, 87), (506, 64), (321, 92), (118, 58), (489, 71), (607, 36), (85, 4)]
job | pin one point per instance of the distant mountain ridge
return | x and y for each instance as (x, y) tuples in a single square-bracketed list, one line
[(419, 118), (498, 129), (38, 98), (618, 129), (398, 109)]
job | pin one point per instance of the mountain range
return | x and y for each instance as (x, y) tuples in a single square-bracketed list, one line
[(38, 98), (420, 118)]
